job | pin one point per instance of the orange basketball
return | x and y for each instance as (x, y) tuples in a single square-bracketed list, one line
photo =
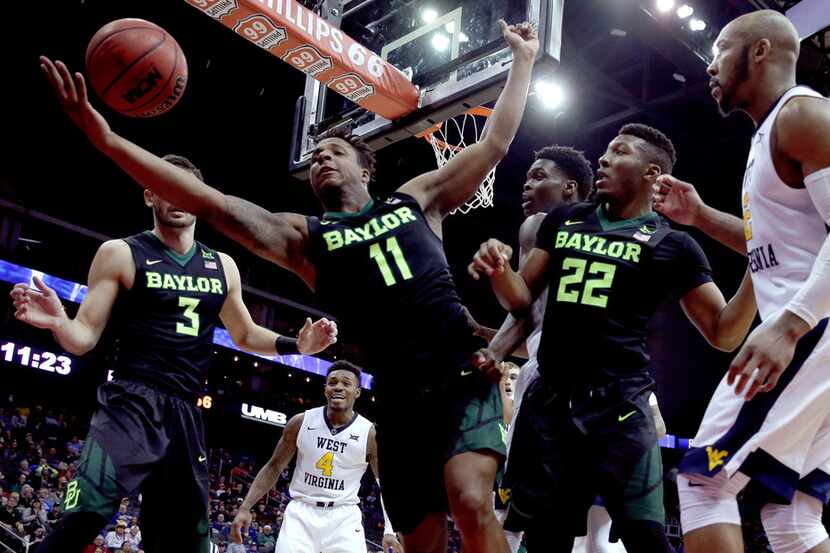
[(136, 67)]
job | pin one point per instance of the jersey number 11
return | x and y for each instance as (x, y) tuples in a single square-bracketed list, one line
[(393, 248)]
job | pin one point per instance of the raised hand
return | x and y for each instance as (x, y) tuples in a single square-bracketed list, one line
[(39, 307), (522, 39), (72, 94), (314, 338)]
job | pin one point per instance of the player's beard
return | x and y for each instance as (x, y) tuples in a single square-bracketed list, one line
[(163, 219), (727, 103)]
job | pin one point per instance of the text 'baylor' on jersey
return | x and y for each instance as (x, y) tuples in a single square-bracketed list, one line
[(165, 322), (382, 271), (606, 279)]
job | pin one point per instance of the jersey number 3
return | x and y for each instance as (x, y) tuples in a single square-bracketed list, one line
[(191, 329), (591, 293)]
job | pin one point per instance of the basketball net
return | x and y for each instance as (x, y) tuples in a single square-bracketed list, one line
[(450, 138)]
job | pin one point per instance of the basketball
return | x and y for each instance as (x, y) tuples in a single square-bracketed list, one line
[(136, 67)]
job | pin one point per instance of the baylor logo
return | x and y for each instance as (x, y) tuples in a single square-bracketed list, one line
[(73, 492), (716, 457)]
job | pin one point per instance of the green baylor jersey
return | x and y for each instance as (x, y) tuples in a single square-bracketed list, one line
[(606, 279), (383, 273), (165, 322)]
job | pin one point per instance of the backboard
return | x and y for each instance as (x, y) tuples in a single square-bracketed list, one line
[(451, 50)]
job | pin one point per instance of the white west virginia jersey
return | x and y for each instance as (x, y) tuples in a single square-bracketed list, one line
[(780, 439), (784, 231), (330, 462)]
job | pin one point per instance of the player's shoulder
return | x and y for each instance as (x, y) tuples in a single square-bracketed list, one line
[(365, 422), (295, 423), (116, 246), (399, 199), (579, 210), (802, 106), (227, 260), (678, 242), (114, 255)]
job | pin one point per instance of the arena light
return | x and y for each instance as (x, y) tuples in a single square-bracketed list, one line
[(551, 94), (440, 41), (685, 11), (665, 6), (697, 24), (428, 15), (449, 26)]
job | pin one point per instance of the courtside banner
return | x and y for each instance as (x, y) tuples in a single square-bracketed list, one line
[(299, 37)]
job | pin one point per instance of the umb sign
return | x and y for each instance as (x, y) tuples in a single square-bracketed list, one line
[(260, 414)]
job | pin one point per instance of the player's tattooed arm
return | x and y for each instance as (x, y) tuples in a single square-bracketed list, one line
[(441, 191), (267, 476), (279, 237)]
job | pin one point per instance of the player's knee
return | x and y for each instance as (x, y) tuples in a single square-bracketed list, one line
[(472, 509), (794, 528), (705, 501)]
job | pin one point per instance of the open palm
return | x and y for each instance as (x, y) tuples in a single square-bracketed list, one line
[(39, 307), (72, 94)]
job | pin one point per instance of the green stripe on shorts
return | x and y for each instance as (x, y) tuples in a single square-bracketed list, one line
[(95, 489), (643, 499), (481, 424)]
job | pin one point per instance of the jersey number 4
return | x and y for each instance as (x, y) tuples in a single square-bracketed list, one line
[(393, 248), (191, 329), (326, 463), (591, 293)]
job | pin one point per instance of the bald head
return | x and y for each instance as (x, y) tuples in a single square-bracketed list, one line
[(770, 25)]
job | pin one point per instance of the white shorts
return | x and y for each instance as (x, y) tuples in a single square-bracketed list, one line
[(528, 373), (307, 528), (780, 439)]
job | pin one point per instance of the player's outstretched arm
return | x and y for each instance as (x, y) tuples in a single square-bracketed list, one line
[(390, 538), (41, 307), (278, 237), (441, 191), (249, 336), (680, 202), (723, 324), (267, 476)]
